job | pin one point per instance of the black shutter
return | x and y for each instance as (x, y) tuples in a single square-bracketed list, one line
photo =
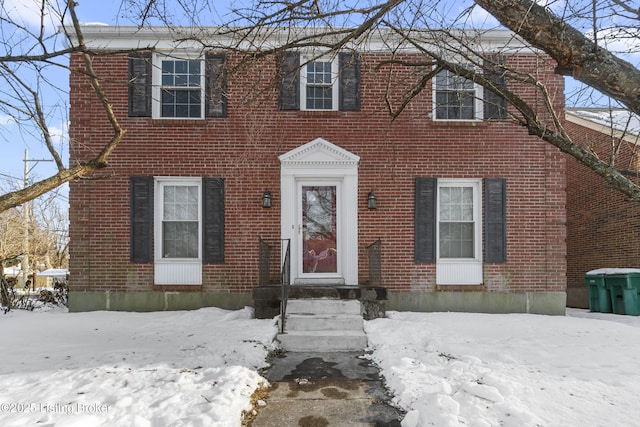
[(213, 217), (289, 96), (141, 218), (140, 84), (216, 85), (495, 106), (349, 64), (495, 220), (425, 220)]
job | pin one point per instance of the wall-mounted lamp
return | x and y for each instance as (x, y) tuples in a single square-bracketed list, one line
[(266, 199), (372, 202)]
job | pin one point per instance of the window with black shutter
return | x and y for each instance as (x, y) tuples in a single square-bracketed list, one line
[(140, 84), (213, 217), (319, 83), (452, 217), (176, 216), (141, 219), (495, 220), (349, 81), (216, 85), (425, 220), (495, 106)]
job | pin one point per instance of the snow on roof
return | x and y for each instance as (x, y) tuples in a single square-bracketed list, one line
[(54, 272), (611, 118)]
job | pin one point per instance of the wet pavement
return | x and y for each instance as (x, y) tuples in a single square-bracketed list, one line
[(325, 389)]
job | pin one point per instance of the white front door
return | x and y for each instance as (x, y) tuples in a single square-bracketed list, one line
[(319, 231), (319, 213)]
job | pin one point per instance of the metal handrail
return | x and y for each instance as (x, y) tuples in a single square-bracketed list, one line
[(285, 281), (274, 265)]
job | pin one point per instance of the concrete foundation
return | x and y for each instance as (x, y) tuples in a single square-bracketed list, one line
[(155, 301), (551, 303)]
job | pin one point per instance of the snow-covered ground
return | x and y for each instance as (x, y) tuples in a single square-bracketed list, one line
[(199, 368), (463, 369), (185, 368)]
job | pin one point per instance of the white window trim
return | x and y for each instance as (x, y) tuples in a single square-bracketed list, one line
[(478, 102), (335, 87), (156, 77), (461, 271), (175, 271)]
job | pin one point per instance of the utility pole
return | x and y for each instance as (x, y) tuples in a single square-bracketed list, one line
[(25, 218)]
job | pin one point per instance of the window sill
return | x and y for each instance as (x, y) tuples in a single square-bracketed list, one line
[(461, 288), (319, 113), (178, 122), (460, 123), (178, 288)]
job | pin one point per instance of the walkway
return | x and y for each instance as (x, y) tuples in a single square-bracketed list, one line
[(325, 389)]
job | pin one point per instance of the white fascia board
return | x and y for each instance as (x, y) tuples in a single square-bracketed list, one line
[(105, 37)]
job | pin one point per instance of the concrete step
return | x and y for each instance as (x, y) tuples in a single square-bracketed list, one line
[(324, 322), (323, 341), (323, 306)]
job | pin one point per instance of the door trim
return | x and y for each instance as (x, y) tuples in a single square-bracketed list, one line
[(323, 162)]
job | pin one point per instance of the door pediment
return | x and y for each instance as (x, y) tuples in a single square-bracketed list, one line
[(321, 153)]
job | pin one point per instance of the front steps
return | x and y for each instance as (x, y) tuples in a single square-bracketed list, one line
[(323, 325)]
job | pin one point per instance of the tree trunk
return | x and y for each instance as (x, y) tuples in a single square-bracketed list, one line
[(575, 54)]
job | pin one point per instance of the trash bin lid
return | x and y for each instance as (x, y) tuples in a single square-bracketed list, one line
[(611, 271)]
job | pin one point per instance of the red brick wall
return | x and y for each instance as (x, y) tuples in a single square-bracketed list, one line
[(243, 148), (603, 225)]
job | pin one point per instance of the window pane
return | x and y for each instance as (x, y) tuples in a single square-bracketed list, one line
[(456, 240), (454, 97), (168, 67), (181, 81), (180, 239), (319, 90), (180, 221), (319, 73), (181, 103), (456, 226), (180, 203), (180, 67), (319, 98)]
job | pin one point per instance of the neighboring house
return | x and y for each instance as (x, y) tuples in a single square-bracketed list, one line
[(224, 149), (603, 224)]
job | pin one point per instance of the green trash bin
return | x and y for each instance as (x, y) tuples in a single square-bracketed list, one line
[(599, 294), (625, 292)]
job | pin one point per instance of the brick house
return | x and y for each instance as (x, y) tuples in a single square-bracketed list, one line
[(224, 149), (602, 224)]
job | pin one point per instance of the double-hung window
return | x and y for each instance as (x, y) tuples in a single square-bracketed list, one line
[(459, 231), (178, 230), (456, 98), (179, 87), (319, 87)]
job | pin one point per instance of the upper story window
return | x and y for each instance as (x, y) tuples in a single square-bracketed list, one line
[(319, 87), (181, 93), (456, 98), (179, 87), (319, 84)]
